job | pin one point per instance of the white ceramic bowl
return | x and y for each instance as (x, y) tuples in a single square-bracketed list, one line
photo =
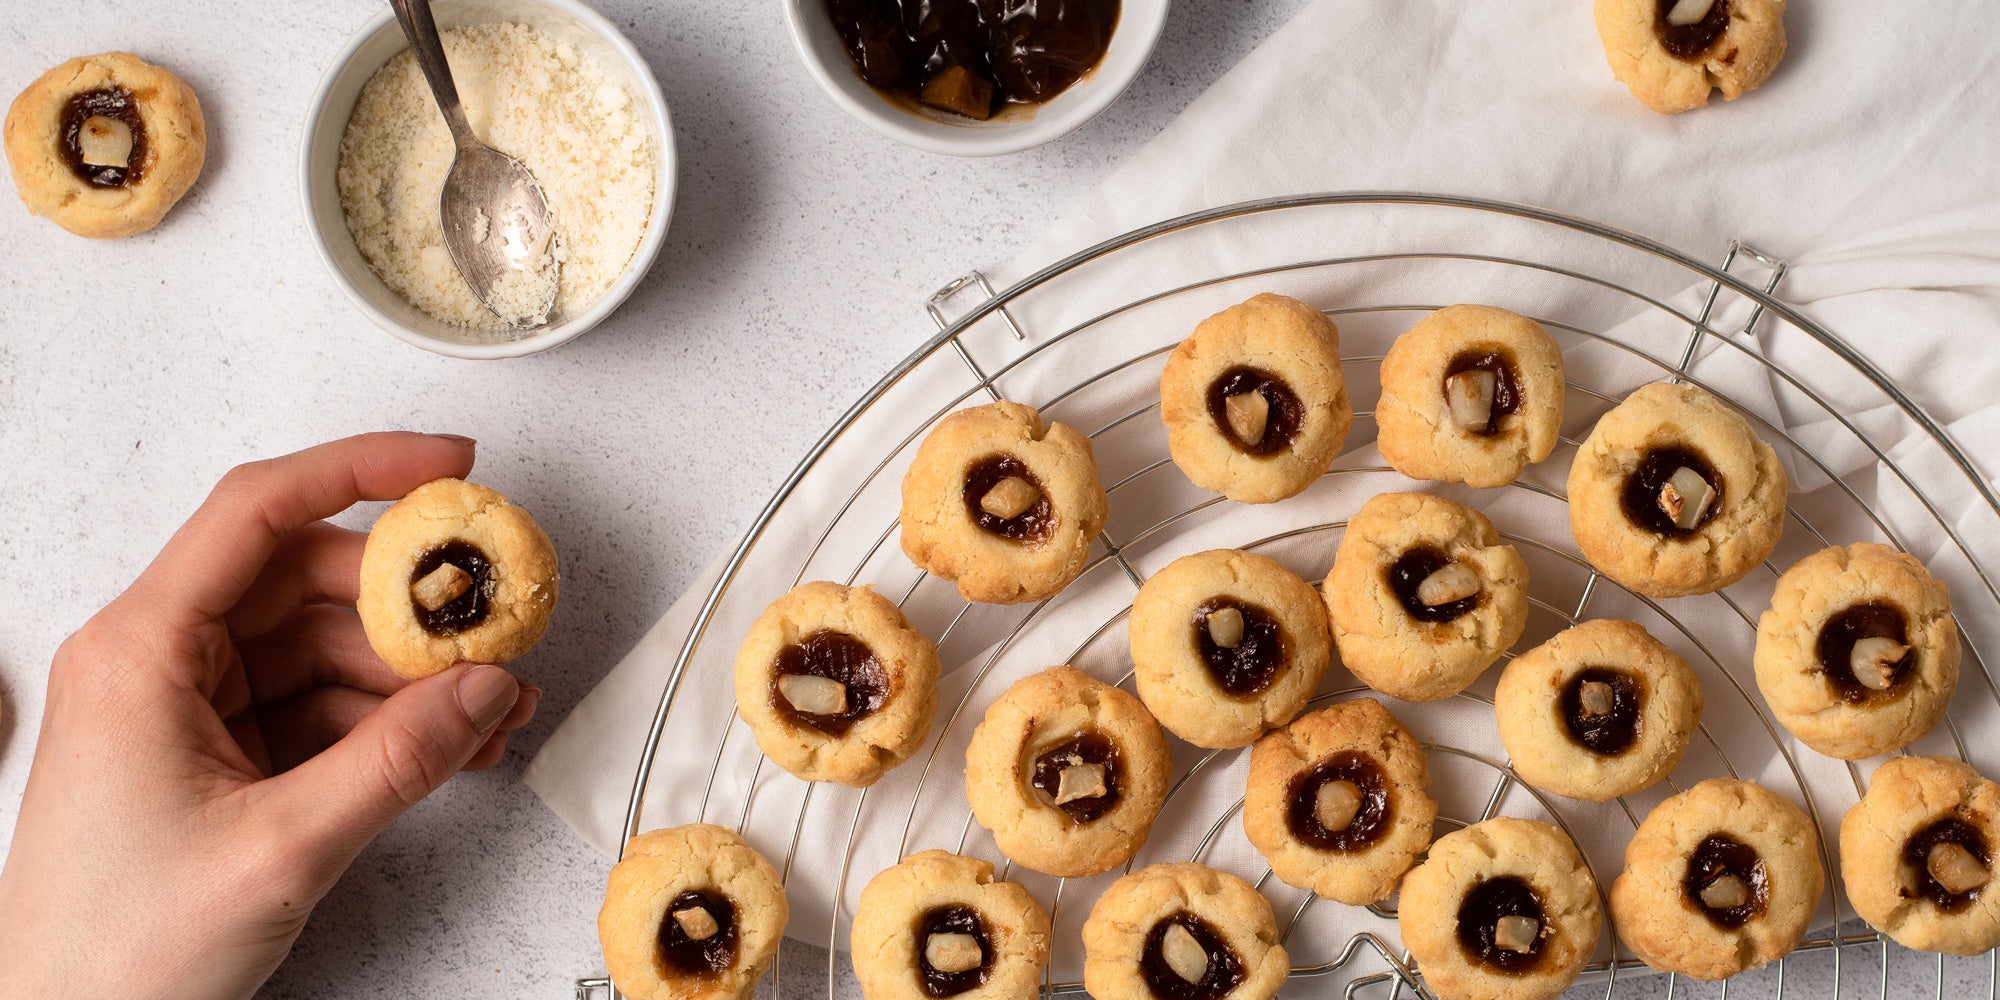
[(319, 160), (826, 58)]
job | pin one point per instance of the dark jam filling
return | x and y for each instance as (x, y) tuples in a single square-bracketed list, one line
[(1690, 41), (467, 609), (1835, 647), (1287, 414), (1256, 660), (1609, 734), (835, 656), (1642, 490), (952, 920), (1087, 747), (1407, 574), (1004, 51), (1916, 853), (1370, 821), (1506, 386), (1224, 973), (1719, 855), (1480, 913), (1031, 525), (113, 103), (681, 955)]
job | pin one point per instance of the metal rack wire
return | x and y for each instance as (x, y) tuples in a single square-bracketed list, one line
[(1913, 490)]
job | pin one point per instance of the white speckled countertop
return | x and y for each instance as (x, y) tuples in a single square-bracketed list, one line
[(134, 372)]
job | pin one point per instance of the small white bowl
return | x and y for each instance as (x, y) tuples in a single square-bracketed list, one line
[(826, 58), (319, 161)]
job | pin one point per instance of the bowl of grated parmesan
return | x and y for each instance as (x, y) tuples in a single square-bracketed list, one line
[(550, 82)]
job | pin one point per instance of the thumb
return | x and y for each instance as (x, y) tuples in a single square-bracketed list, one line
[(412, 743)]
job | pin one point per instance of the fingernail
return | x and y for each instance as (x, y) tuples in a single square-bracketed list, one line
[(458, 438), (485, 694)]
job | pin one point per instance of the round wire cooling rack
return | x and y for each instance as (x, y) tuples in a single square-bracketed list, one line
[(1084, 339)]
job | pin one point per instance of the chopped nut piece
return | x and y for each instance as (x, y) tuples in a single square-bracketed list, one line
[(953, 952), (1184, 954), (1010, 498), (1336, 804), (1516, 933), (440, 587), (1725, 893), (1454, 581), (961, 92), (1955, 868), (1874, 661), (104, 142), (1685, 498), (813, 695), (1249, 413), (1688, 12), (697, 923), (1597, 697), (1468, 395), (1080, 781), (1225, 627)]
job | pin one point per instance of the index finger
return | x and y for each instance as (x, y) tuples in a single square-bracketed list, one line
[(215, 557)]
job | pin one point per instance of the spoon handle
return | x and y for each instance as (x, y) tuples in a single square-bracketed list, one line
[(421, 29)]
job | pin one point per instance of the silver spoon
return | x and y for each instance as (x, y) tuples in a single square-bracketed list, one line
[(496, 221)]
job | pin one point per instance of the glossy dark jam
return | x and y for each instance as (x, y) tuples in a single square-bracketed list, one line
[(1255, 662), (1609, 734), (1370, 821), (974, 57), (836, 656), (1641, 497), (1407, 574), (1031, 525), (952, 920), (1719, 855), (1690, 41), (1087, 747), (117, 103), (1480, 912), (1225, 970), (1916, 854), (1287, 417), (467, 609), (1835, 648), (681, 955), (1506, 385)]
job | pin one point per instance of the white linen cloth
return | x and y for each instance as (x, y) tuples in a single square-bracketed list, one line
[(1868, 160)]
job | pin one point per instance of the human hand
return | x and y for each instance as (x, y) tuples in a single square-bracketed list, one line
[(220, 742)]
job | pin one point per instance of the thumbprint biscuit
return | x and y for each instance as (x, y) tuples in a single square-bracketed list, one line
[(939, 925), (1184, 932), (691, 913), (1671, 53), (1917, 855), (1472, 394)]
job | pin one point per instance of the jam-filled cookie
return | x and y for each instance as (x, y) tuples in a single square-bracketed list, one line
[(1422, 596), (1505, 909), (835, 684), (1336, 802), (1182, 932), (938, 925), (1254, 401), (1671, 53), (691, 913), (1917, 855), (453, 572), (1598, 711), (1002, 504), (1068, 773), (1720, 878), (1226, 645), (1673, 494), (1858, 654), (1471, 394), (104, 145)]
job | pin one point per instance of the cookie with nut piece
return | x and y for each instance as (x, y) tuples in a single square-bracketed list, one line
[(1002, 504), (1183, 931), (454, 573), (105, 145), (1917, 855), (691, 913), (940, 925), (1471, 394), (1671, 54)]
